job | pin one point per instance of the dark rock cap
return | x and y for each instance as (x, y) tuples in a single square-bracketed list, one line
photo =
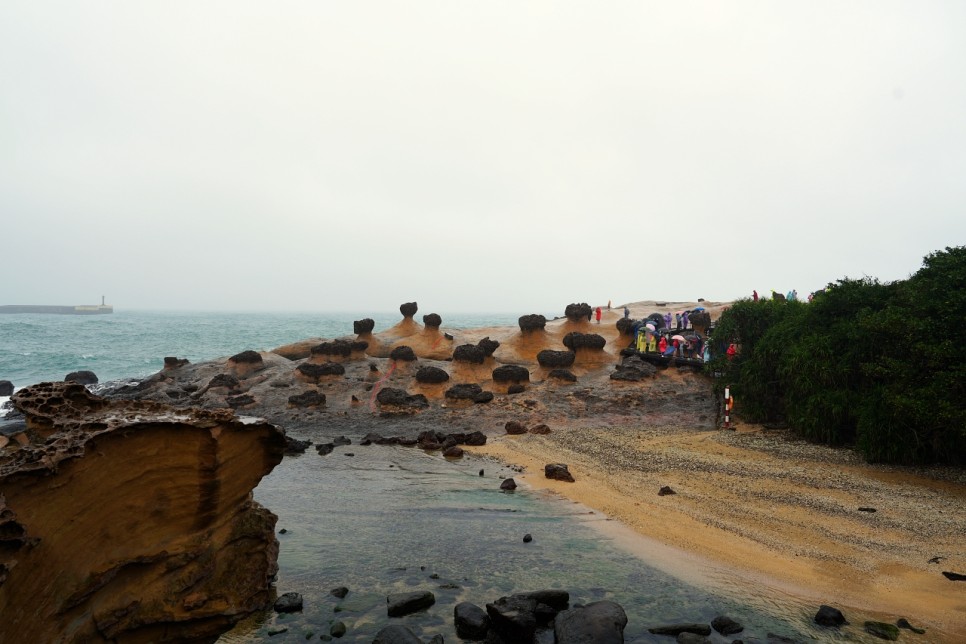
[(247, 357), (81, 377), (511, 373), (469, 353), (431, 375), (575, 340), (554, 359), (578, 312), (532, 322), (432, 320), (408, 309), (403, 353), (365, 325)]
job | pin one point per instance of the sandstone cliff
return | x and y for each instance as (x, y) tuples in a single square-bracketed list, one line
[(130, 521)]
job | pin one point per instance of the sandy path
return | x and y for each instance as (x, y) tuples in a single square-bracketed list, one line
[(774, 508)]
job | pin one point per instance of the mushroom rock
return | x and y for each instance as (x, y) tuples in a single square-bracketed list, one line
[(625, 326), (431, 375), (403, 353), (245, 363), (363, 326), (332, 351), (408, 309), (432, 321), (81, 377), (469, 392), (575, 340), (132, 521), (511, 373), (358, 349), (397, 401), (553, 359), (532, 322), (173, 362), (469, 353), (488, 346), (578, 312), (308, 372)]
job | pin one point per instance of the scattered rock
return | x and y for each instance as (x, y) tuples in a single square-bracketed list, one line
[(527, 538), (675, 629), (469, 392), (400, 604), (6, 388), (432, 321), (902, 622), (954, 576), (562, 374), (471, 621), (223, 380), (399, 398), (558, 472), (396, 634), (339, 591), (866, 509), (515, 427), (691, 638), (453, 452), (599, 622), (664, 491), (247, 357), (512, 390), (295, 446), (341, 348), (242, 400), (81, 377), (539, 429), (324, 449), (508, 484), (338, 629), (829, 616), (882, 630), (170, 362), (315, 371), (309, 398), (288, 603), (725, 625)]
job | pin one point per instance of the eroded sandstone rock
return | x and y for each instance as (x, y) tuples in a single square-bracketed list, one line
[(132, 521)]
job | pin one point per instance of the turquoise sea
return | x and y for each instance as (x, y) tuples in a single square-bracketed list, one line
[(392, 519)]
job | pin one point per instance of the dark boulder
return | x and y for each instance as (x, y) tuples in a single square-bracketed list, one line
[(295, 446), (829, 616), (483, 397), (81, 377), (6, 388), (700, 320), (310, 398), (464, 392), (599, 622), (902, 622), (532, 322), (365, 325), (633, 369), (508, 484), (555, 359), (575, 340), (665, 491), (471, 621), (625, 326), (882, 630), (316, 371), (432, 321), (396, 634), (404, 353), (324, 449), (562, 374), (469, 353), (676, 629), (726, 626), (173, 362), (338, 629), (408, 309), (342, 440), (453, 451), (431, 375), (515, 427), (515, 389), (334, 348), (247, 357), (400, 604), (954, 576), (339, 591), (475, 439), (240, 401), (399, 398), (691, 638), (578, 312), (527, 538), (288, 603), (223, 380), (513, 618), (558, 472), (511, 373), (488, 346), (539, 429)]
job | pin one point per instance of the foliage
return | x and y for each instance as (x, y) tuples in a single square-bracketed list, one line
[(878, 366)]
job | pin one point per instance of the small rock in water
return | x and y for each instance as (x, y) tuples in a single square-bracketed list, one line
[(481, 472), (272, 632), (527, 538), (902, 622), (508, 484), (288, 603), (882, 630), (664, 491), (338, 629), (725, 625), (283, 531), (828, 616), (558, 472), (339, 591)]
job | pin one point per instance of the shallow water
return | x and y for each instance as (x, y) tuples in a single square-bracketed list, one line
[(389, 518)]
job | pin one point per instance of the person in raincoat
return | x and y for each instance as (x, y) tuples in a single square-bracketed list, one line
[(684, 319), (667, 320), (662, 345), (707, 352), (652, 346), (597, 314), (732, 351), (627, 313), (641, 344)]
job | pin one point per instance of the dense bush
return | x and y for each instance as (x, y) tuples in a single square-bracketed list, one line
[(878, 366)]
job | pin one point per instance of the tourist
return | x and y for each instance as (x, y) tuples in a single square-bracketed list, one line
[(732, 351), (662, 345), (754, 296), (653, 342), (684, 320), (677, 320), (597, 314), (707, 352), (627, 313), (667, 320)]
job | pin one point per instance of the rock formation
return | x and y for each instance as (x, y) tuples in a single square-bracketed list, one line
[(363, 326), (408, 309), (555, 359), (131, 521), (81, 377), (245, 363), (578, 312), (575, 340), (403, 353), (432, 320), (532, 322)]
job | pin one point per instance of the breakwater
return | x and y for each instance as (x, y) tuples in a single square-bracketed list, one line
[(79, 309)]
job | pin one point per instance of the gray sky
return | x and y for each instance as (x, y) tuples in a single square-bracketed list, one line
[(474, 156)]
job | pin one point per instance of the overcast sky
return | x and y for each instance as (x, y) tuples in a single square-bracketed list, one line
[(473, 156)]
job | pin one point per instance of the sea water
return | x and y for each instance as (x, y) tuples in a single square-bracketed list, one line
[(389, 518)]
